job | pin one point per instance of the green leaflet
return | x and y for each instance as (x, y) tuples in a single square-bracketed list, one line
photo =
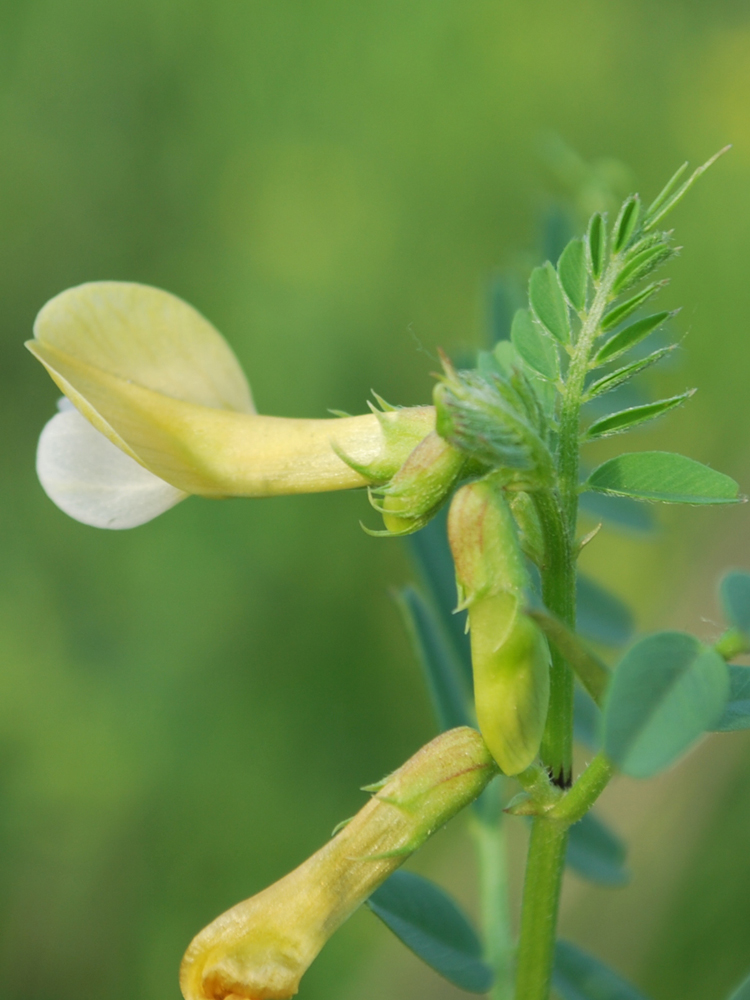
[(622, 375), (626, 222), (666, 191), (743, 991), (428, 922), (667, 690), (547, 301), (618, 512), (536, 348), (737, 710), (579, 976), (667, 200), (602, 617), (734, 594), (596, 853), (619, 423), (620, 313), (663, 476), (629, 337), (641, 265), (595, 241), (571, 267), (443, 672)]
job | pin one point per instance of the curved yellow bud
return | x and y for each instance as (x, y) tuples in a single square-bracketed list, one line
[(510, 657), (153, 376), (260, 949)]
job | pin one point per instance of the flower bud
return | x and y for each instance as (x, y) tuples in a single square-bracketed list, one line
[(420, 486), (497, 421), (162, 385), (509, 653), (260, 948)]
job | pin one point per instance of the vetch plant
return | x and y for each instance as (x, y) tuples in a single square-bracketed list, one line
[(157, 408)]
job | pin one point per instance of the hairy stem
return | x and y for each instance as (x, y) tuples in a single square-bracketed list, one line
[(558, 593), (558, 513), (541, 897), (581, 797)]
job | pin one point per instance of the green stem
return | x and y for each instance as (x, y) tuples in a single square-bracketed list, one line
[(558, 514), (541, 897), (558, 593), (490, 838), (581, 797)]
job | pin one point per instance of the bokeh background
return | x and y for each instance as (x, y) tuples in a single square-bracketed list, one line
[(187, 709)]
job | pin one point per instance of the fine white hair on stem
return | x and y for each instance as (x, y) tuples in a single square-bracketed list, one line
[(91, 480)]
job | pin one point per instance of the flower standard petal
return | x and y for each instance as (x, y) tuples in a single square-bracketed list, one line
[(147, 336), (93, 481)]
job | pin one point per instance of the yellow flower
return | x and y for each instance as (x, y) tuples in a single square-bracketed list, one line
[(168, 412), (260, 949), (509, 654)]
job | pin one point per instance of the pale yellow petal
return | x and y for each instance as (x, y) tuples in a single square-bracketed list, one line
[(215, 452), (147, 336), (260, 949)]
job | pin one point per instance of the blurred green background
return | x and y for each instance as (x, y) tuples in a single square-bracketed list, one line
[(187, 709)]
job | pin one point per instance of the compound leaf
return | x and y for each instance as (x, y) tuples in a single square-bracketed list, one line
[(667, 690), (428, 922), (663, 476)]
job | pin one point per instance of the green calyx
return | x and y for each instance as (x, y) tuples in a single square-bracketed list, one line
[(420, 486), (498, 421)]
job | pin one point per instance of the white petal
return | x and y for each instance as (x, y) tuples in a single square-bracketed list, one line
[(91, 480)]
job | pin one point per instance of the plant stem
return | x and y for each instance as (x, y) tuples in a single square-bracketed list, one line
[(558, 593), (541, 899), (489, 830), (558, 514), (585, 792)]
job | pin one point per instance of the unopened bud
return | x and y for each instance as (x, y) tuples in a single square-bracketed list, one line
[(260, 948), (420, 486), (509, 653)]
